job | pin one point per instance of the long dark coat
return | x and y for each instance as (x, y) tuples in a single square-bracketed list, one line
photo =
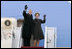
[(27, 25), (38, 33)]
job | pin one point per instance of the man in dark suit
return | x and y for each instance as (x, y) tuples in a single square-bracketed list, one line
[(27, 26)]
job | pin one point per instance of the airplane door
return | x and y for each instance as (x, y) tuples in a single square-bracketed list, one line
[(7, 25), (50, 37)]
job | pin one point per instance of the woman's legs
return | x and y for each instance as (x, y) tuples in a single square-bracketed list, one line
[(37, 43)]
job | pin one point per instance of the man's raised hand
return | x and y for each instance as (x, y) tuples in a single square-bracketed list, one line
[(26, 7)]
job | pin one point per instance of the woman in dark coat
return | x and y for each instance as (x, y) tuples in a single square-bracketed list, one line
[(38, 33)]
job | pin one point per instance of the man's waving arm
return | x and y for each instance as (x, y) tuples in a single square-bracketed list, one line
[(24, 12)]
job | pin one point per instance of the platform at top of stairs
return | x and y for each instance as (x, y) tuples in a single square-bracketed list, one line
[(31, 47)]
